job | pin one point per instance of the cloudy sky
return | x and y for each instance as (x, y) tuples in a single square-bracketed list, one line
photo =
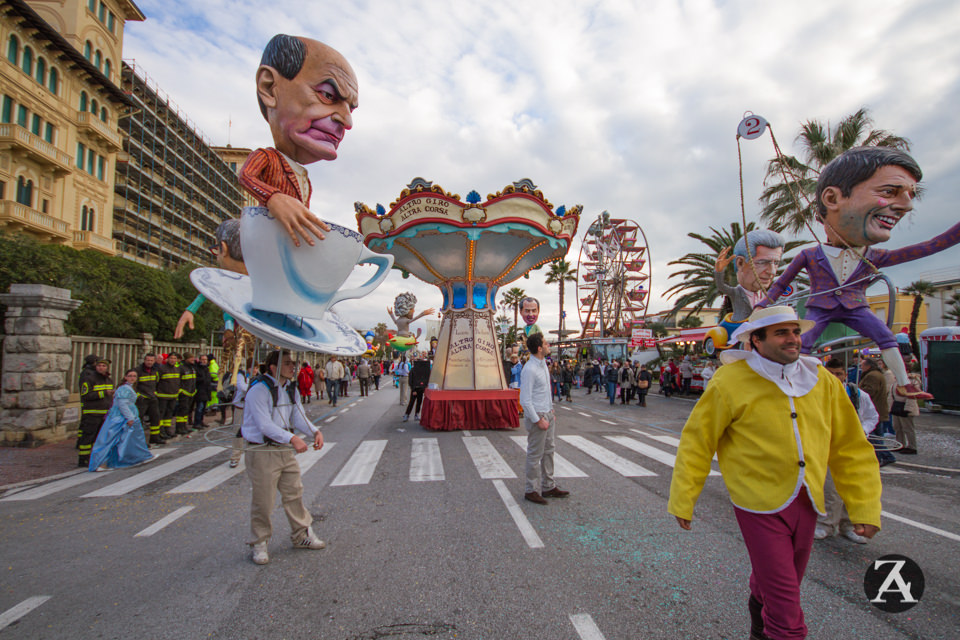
[(625, 106)]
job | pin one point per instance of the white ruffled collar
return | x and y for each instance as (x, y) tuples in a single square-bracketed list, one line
[(795, 379)]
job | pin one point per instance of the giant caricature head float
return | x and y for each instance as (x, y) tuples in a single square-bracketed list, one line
[(307, 92), (863, 193), (530, 310), (766, 249), (404, 304)]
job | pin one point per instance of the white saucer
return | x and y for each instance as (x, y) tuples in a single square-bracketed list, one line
[(233, 293)]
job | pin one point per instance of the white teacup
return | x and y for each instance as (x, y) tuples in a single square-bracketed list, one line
[(303, 281)]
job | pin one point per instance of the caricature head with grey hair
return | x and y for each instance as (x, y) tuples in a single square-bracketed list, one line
[(766, 249), (404, 304), (228, 251)]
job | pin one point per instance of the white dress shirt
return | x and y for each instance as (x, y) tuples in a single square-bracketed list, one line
[(843, 261), (262, 420), (535, 396)]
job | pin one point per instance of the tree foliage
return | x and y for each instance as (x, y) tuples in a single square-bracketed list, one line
[(560, 272), (120, 298)]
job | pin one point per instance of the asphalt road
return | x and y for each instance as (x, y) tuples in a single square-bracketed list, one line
[(428, 537)]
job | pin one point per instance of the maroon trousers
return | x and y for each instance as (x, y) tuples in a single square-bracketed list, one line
[(779, 546)]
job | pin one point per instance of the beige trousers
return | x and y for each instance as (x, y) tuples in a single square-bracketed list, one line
[(238, 443), (272, 470)]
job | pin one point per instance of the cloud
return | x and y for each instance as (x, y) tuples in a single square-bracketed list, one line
[(624, 106)]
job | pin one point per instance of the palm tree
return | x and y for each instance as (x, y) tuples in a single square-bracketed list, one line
[(918, 290), (791, 184), (560, 272), (512, 298), (953, 312), (697, 287)]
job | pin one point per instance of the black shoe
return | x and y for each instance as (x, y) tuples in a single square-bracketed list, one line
[(910, 451), (83, 461), (556, 492)]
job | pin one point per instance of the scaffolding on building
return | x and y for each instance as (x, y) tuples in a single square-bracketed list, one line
[(172, 190)]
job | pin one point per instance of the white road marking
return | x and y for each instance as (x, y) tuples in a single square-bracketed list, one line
[(586, 628), (153, 474), (675, 442), (13, 614), (489, 463), (330, 419), (563, 469), (425, 461), (361, 465), (163, 522), (650, 452), (608, 458), (526, 529), (213, 478), (466, 434), (312, 456), (66, 483), (920, 525), (566, 408), (345, 409), (587, 415), (352, 404), (893, 471), (607, 421)]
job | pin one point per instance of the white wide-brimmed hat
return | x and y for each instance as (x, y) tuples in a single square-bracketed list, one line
[(766, 317)]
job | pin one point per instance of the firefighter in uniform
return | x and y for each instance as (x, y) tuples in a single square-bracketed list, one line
[(147, 378), (188, 391), (89, 366), (96, 396), (168, 390)]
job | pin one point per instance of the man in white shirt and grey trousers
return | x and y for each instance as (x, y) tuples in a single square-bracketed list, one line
[(541, 423), (272, 410)]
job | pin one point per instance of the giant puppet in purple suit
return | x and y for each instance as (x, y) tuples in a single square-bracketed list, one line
[(861, 196)]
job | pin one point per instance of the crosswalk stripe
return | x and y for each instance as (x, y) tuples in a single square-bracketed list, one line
[(207, 481), (586, 628), (66, 483), (312, 456), (13, 614), (608, 458), (674, 442), (425, 461), (519, 518), (163, 522), (607, 421), (361, 465), (488, 462), (647, 450), (330, 419), (893, 471), (563, 468), (586, 415), (153, 474)]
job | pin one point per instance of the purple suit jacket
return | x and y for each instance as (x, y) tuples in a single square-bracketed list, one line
[(822, 277)]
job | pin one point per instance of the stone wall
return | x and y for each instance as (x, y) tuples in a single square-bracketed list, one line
[(36, 357)]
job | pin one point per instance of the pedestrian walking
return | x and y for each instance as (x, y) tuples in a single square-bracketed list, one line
[(401, 372), (610, 378), (540, 422), (305, 381), (148, 374), (168, 391), (419, 377), (364, 374), (644, 378), (873, 383), (206, 386), (188, 392), (319, 380), (777, 421), (334, 370), (120, 442)]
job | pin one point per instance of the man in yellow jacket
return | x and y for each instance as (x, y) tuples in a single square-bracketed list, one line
[(777, 421)]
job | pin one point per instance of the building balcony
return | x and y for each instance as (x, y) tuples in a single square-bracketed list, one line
[(19, 140), (89, 122), (14, 214), (91, 240)]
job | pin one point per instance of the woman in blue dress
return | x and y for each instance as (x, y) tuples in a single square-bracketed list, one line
[(121, 442)]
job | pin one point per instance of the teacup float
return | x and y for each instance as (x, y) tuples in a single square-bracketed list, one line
[(287, 298)]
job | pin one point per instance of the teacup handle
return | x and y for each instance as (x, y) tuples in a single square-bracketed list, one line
[(385, 261)]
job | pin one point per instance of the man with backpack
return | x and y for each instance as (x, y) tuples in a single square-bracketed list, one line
[(272, 410)]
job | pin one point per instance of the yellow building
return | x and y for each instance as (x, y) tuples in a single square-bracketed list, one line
[(880, 304), (59, 121), (235, 157)]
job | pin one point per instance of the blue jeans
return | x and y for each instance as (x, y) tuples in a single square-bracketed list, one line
[(332, 388), (611, 391)]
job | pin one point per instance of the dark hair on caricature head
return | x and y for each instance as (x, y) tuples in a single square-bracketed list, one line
[(857, 165), (285, 54), (534, 342)]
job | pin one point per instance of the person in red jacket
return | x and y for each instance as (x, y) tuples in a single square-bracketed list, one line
[(305, 381)]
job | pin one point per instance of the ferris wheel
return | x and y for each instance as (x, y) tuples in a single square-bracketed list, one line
[(613, 277)]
